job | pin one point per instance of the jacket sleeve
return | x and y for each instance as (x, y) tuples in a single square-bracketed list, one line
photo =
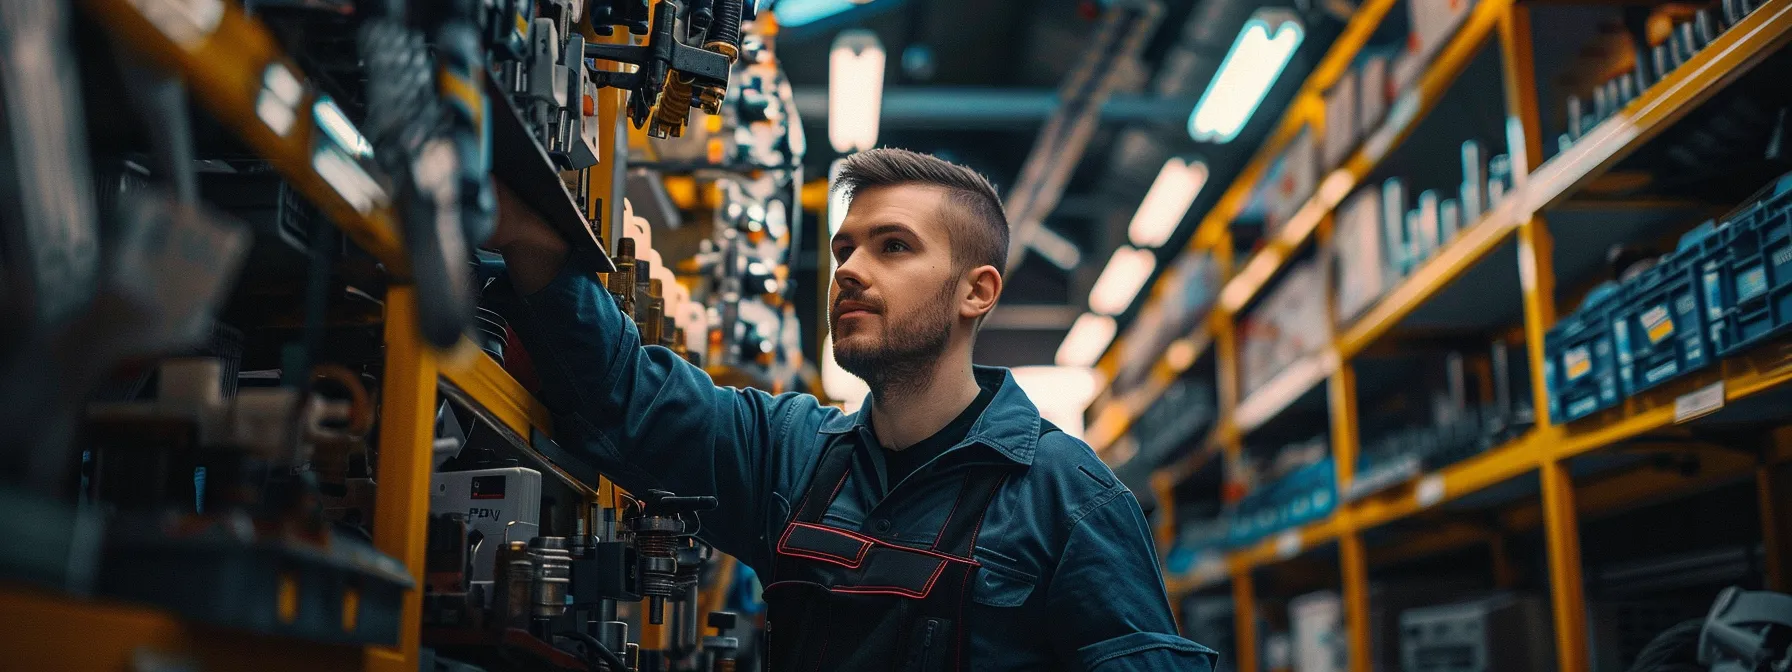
[(650, 420), (1111, 593)]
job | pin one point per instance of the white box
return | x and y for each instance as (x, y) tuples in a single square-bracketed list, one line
[(1393, 223), (1374, 94), (1341, 128), (1292, 181), (1449, 221), (1474, 182), (1428, 237), (1316, 623), (499, 504), (1359, 252)]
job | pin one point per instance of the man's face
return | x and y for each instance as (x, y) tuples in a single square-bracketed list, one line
[(894, 297)]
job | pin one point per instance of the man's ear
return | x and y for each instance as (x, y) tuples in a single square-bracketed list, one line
[(984, 287)]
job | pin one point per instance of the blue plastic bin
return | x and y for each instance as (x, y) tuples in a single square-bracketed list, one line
[(1580, 363)]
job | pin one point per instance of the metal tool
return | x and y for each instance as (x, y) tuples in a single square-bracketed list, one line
[(662, 524), (671, 75)]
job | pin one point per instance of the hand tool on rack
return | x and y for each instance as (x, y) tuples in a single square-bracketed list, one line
[(672, 76)]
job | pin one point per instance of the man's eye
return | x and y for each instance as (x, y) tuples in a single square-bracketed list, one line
[(842, 253), (895, 246)]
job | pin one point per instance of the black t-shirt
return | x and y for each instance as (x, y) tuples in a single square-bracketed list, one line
[(898, 464)]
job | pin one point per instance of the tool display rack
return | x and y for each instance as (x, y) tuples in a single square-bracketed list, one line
[(1520, 222), (223, 71)]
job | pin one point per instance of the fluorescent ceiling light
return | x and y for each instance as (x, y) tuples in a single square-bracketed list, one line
[(1088, 338), (1167, 202), (855, 90), (1121, 281), (792, 13), (1262, 50)]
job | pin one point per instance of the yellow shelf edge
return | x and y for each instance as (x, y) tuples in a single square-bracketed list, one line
[(1301, 110), (489, 385), (1110, 426), (1403, 117), (1461, 254), (1288, 385), (228, 68), (1729, 56)]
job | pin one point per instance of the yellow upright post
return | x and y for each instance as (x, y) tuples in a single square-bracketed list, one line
[(1352, 562), (407, 431), (1537, 275), (1244, 613)]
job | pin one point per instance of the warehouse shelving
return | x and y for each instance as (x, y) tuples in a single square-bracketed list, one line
[(1529, 482), (235, 69)]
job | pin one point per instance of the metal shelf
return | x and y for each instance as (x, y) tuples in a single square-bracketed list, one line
[(1307, 106), (484, 382), (1404, 116), (237, 71), (521, 162), (1120, 412)]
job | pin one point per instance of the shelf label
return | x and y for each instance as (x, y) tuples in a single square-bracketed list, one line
[(1288, 544), (1429, 491), (1698, 403)]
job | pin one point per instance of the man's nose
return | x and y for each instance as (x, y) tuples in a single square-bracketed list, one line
[(849, 275)]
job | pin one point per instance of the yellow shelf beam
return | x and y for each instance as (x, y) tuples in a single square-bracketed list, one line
[(52, 631), (1288, 386), (1308, 107), (237, 72), (1728, 57), (1403, 117), (481, 378)]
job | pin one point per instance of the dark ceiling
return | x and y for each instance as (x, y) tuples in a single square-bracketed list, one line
[(995, 69)]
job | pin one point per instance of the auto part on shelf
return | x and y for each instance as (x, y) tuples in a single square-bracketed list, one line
[(661, 530)]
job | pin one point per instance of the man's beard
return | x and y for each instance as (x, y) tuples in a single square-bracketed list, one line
[(902, 361)]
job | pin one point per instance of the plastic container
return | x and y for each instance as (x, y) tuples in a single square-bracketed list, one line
[(1749, 274), (1580, 365), (1659, 328)]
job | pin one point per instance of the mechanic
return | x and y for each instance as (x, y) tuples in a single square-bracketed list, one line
[(946, 526)]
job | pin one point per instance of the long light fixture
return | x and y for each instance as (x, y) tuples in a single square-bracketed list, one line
[(1167, 202), (793, 13), (1125, 275), (1262, 50), (855, 90), (1089, 337)]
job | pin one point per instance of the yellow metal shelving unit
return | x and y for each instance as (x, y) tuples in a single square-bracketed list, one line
[(1543, 450), (230, 62)]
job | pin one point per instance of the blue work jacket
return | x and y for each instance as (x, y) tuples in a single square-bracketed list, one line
[(1069, 579)]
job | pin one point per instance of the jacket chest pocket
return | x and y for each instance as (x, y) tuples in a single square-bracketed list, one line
[(1000, 583)]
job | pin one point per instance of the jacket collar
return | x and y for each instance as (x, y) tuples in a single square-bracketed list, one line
[(1010, 425)]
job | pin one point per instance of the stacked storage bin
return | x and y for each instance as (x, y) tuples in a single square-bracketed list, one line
[(1748, 272), (1304, 495), (1727, 286), (1658, 325), (1580, 365)]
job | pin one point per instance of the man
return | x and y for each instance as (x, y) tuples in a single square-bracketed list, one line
[(944, 527)]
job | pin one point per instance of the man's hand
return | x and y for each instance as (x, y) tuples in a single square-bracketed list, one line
[(532, 250)]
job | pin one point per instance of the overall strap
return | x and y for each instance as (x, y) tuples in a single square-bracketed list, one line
[(824, 486), (958, 536)]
